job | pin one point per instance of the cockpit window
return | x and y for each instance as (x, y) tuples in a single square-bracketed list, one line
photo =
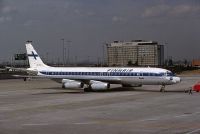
[(170, 74)]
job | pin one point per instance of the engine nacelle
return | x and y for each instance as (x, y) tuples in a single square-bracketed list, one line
[(72, 84), (99, 86)]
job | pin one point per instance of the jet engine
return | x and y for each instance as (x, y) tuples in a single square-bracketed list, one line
[(98, 85), (66, 83)]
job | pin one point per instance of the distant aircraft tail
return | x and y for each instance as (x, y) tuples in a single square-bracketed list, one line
[(34, 59)]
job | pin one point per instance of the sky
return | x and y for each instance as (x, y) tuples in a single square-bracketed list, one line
[(89, 24)]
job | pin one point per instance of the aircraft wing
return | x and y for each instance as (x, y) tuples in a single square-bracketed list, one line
[(87, 80), (28, 76), (30, 72), (2, 69)]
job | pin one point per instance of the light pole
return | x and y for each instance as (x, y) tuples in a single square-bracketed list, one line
[(103, 62), (47, 57), (166, 56), (88, 59), (75, 60), (68, 50), (63, 43)]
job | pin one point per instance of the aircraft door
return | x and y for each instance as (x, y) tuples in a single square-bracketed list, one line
[(47, 72), (141, 76)]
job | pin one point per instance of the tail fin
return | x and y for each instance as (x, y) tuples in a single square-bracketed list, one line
[(34, 59)]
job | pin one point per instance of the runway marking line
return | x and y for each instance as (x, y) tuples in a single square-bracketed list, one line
[(36, 124), (84, 123), (167, 117), (194, 131), (187, 114)]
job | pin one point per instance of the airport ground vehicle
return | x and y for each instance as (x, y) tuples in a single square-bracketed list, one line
[(196, 87)]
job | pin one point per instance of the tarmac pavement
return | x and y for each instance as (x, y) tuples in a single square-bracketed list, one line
[(43, 107)]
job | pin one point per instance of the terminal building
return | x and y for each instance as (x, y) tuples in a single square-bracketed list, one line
[(196, 63), (135, 53)]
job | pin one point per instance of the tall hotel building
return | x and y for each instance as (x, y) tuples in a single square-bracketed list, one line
[(136, 52)]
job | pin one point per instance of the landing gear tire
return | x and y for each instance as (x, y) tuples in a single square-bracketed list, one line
[(63, 86), (25, 79), (162, 89)]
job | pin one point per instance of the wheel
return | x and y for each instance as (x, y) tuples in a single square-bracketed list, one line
[(162, 88), (25, 79)]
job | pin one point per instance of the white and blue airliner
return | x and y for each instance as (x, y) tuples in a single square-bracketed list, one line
[(99, 78)]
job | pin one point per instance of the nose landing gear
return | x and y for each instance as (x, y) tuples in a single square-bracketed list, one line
[(162, 89)]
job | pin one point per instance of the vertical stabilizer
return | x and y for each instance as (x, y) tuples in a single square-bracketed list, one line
[(33, 57)]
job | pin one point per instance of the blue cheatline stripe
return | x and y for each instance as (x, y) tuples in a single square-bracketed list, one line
[(33, 55), (104, 73)]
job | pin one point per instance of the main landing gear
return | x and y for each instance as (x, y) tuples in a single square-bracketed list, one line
[(162, 89), (25, 79)]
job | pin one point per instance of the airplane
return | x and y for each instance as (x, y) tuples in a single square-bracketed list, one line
[(98, 78)]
